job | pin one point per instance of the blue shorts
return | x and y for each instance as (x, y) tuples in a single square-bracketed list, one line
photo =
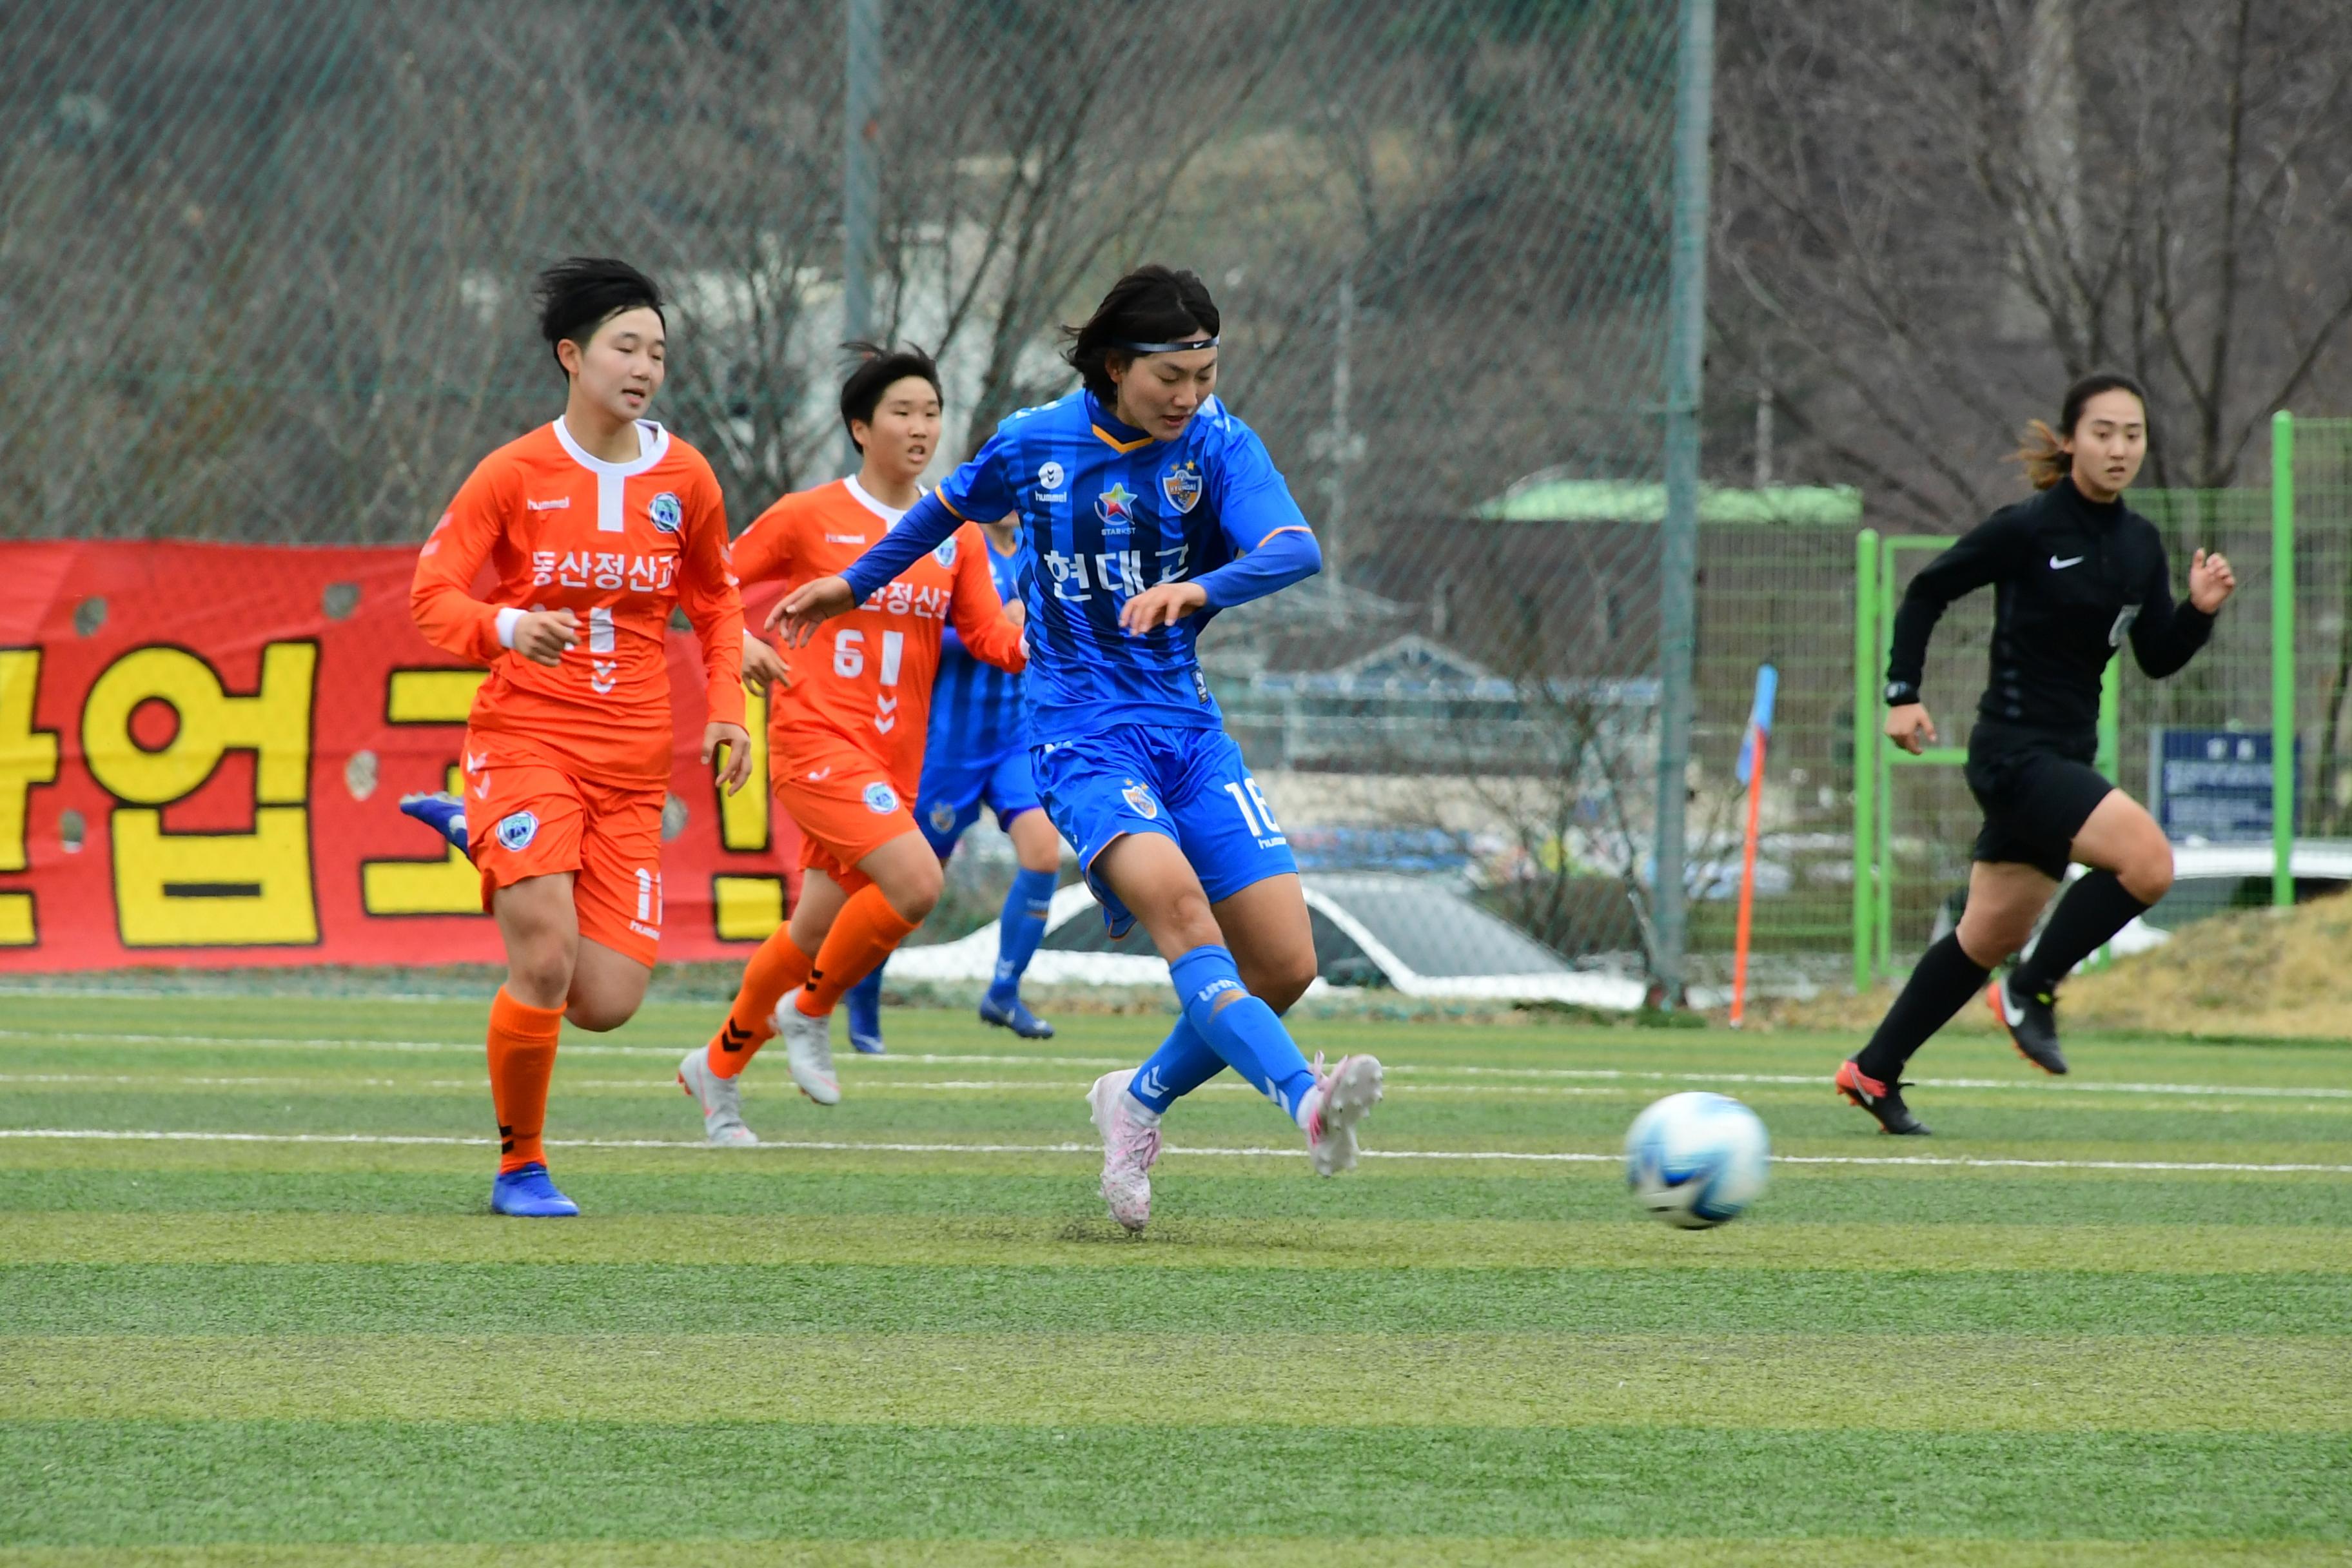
[(955, 788), (1189, 786)]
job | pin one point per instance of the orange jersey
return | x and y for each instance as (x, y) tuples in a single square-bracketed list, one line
[(867, 677), (618, 544)]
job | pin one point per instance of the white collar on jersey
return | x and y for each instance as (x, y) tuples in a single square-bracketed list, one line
[(865, 498), (652, 443)]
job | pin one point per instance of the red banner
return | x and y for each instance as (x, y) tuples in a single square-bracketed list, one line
[(203, 749)]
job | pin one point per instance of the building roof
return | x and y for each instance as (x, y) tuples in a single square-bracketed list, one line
[(1544, 498)]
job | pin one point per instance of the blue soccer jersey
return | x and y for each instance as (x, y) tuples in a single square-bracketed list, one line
[(976, 708), (1106, 511)]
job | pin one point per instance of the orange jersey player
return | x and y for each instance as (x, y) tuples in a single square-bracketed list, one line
[(595, 526), (845, 730)]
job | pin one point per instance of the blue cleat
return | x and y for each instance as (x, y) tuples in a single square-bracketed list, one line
[(864, 1005), (1015, 1016), (527, 1194), (444, 812)]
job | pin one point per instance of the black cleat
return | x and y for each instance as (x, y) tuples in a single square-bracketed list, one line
[(2033, 1024), (1882, 1101)]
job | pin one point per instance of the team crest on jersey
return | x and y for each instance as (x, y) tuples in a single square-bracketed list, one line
[(1139, 799), (517, 830), (880, 798), (666, 514), (1116, 506), (943, 817), (1181, 486), (945, 554)]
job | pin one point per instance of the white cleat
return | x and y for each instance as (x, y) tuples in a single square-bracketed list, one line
[(1130, 1144), (808, 1051), (1340, 1099), (721, 1099)]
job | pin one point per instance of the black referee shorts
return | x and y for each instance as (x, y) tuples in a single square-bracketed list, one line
[(2036, 789)]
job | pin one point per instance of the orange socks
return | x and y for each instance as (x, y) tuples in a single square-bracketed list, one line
[(866, 931), (777, 967), (522, 1058)]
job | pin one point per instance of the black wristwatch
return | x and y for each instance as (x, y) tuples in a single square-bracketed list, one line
[(1899, 692)]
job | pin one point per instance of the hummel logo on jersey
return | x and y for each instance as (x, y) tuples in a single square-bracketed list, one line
[(477, 761), (561, 503), (2058, 565)]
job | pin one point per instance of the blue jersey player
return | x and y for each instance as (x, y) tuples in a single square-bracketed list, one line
[(976, 756), (1145, 508)]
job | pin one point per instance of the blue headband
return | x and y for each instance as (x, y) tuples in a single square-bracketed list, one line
[(1207, 342)]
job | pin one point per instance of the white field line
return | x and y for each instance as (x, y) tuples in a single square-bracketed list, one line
[(1600, 1075), (1071, 1086), (89, 1134), (1596, 1075)]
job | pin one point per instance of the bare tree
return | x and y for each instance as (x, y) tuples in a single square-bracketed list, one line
[(1928, 215)]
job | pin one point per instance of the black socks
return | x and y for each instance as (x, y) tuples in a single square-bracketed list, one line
[(1946, 977), (2094, 909)]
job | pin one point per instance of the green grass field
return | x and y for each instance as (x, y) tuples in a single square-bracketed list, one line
[(253, 1308)]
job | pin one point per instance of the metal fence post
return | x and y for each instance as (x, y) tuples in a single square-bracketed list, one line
[(1866, 748), (1678, 535), (2283, 769), (860, 180)]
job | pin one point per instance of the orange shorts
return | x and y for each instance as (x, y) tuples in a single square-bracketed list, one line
[(846, 803), (527, 817)]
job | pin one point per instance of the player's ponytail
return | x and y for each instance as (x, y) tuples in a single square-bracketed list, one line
[(1152, 305), (2044, 454), (578, 295)]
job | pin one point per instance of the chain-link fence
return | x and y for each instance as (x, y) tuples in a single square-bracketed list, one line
[(265, 269)]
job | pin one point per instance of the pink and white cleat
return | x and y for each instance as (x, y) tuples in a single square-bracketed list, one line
[(1130, 1136), (1340, 1099)]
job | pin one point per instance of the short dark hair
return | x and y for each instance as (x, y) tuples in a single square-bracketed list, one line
[(581, 293), (877, 369), (2044, 454), (1152, 304)]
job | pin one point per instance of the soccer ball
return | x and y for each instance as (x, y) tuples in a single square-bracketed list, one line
[(1696, 1159)]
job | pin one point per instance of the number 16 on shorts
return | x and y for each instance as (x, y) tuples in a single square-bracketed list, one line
[(1256, 815)]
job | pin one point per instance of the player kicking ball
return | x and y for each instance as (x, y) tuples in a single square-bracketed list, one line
[(978, 756), (845, 730), (1145, 509), (598, 525)]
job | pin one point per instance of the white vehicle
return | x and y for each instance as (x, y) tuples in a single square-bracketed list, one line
[(1417, 937)]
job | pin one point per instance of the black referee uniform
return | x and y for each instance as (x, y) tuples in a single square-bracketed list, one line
[(2072, 579)]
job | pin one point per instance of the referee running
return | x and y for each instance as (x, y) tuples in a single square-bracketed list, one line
[(2074, 572)]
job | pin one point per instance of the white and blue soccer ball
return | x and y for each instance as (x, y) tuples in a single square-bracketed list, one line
[(1696, 1159)]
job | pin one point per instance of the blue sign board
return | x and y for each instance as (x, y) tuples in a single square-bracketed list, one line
[(2213, 785)]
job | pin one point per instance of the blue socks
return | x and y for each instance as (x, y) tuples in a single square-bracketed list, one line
[(1019, 930), (1245, 1034), (1182, 1063), (863, 1003)]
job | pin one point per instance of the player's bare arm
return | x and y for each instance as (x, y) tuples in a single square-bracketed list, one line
[(2210, 581), (798, 614), (543, 636), (1162, 606), (764, 667), (731, 746), (1910, 728)]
